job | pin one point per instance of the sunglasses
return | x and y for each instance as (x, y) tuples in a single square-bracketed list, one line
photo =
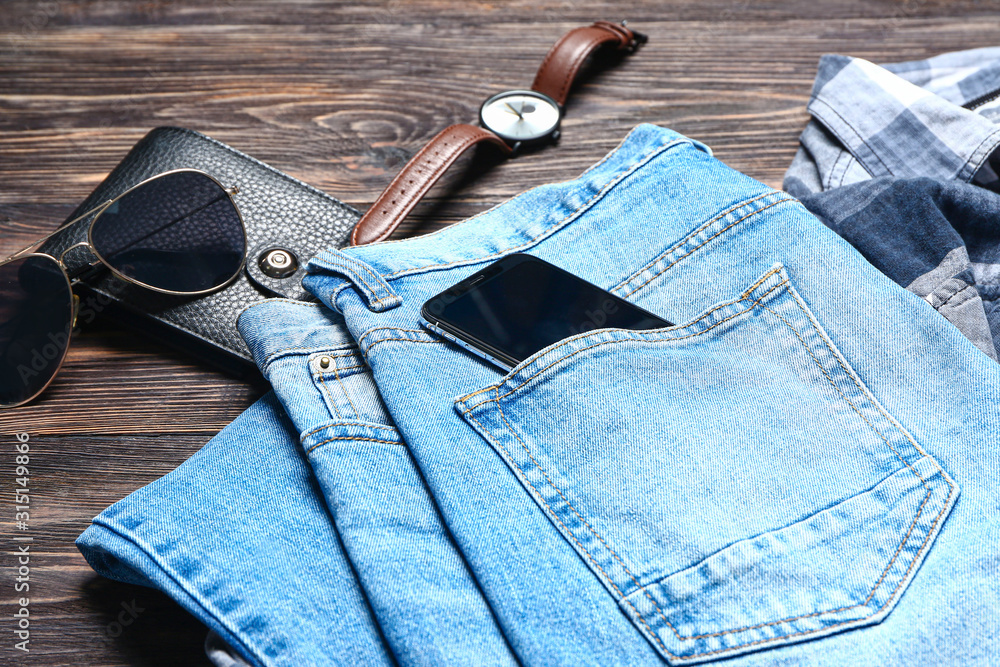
[(179, 233)]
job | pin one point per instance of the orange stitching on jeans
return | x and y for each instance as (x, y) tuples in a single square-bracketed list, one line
[(331, 355), (643, 339), (646, 592), (343, 387), (524, 193), (336, 370), (348, 423), (388, 442), (580, 517), (365, 334), (570, 532), (376, 277), (703, 243), (600, 193), (692, 234), (350, 368), (346, 368), (842, 394), (951, 487), (383, 299), (688, 325), (913, 562), (813, 614), (856, 384), (465, 399), (923, 482), (351, 275), (408, 340), (861, 389), (326, 389), (351, 272), (311, 349)]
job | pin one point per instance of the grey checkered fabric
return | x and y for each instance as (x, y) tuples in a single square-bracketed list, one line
[(903, 120), (902, 160)]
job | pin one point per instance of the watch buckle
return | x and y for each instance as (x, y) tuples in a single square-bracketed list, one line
[(638, 39)]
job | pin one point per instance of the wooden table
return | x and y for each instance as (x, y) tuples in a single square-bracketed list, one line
[(339, 94)]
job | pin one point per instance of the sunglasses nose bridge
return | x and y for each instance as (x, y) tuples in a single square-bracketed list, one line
[(78, 267)]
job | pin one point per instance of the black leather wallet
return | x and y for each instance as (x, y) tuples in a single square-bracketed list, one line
[(279, 213)]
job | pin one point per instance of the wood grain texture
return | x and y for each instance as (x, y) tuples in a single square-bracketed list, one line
[(339, 94)]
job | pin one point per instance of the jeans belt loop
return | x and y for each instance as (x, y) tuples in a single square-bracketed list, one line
[(377, 293)]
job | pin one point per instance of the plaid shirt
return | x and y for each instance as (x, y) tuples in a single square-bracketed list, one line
[(933, 118), (900, 160)]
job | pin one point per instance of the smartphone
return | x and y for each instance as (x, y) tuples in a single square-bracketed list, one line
[(521, 304)]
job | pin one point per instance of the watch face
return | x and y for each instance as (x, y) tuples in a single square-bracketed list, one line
[(520, 115)]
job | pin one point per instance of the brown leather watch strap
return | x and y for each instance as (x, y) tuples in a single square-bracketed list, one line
[(566, 57), (554, 78), (417, 177)]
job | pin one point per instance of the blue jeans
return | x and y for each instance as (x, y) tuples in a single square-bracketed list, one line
[(779, 468), (240, 537), (757, 481), (421, 592), (306, 539)]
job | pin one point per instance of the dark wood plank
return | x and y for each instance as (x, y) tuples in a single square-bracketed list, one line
[(339, 94)]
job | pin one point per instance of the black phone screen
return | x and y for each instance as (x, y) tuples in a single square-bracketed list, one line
[(521, 304)]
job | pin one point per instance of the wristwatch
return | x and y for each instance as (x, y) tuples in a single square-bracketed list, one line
[(522, 117), (511, 121), (531, 117)]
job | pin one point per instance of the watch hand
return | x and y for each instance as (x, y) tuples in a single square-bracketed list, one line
[(513, 110)]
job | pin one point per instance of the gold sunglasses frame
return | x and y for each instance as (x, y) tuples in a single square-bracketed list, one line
[(24, 253)]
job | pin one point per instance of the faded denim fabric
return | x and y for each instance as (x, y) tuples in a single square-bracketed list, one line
[(775, 480), (429, 607), (240, 537), (902, 160)]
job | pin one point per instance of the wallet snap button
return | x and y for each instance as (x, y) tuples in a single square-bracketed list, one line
[(278, 263)]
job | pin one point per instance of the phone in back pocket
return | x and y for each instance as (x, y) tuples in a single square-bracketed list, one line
[(521, 304)]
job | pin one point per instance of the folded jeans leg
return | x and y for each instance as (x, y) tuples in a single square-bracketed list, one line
[(429, 607), (240, 537)]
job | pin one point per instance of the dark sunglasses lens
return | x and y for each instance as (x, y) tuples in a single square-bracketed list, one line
[(36, 314), (179, 232)]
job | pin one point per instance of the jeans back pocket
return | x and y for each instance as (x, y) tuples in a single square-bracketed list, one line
[(731, 482)]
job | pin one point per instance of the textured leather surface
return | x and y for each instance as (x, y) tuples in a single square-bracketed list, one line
[(417, 177), (566, 57), (277, 210)]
